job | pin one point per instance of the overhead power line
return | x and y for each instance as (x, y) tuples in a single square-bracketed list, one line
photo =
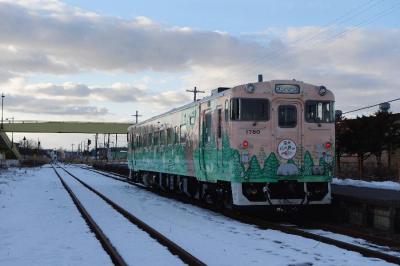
[(329, 27), (366, 107)]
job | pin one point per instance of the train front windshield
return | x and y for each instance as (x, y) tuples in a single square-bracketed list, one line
[(319, 112), (246, 109)]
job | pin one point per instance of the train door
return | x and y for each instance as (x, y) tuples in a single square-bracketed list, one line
[(206, 138), (288, 131), (218, 136)]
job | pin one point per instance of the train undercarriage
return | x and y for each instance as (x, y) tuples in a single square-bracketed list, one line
[(284, 194)]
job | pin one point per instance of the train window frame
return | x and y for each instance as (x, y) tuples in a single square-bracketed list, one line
[(289, 106), (144, 140), (182, 133), (207, 133), (313, 121), (136, 141), (150, 139), (156, 138), (163, 134), (219, 123), (236, 112), (170, 136), (235, 109), (176, 135)]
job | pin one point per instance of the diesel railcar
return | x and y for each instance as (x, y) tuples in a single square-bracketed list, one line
[(258, 144)]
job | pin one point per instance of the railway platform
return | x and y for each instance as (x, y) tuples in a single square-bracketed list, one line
[(370, 207)]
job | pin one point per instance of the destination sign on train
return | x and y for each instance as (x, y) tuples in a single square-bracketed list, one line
[(287, 89)]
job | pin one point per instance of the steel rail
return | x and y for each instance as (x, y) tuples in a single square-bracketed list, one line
[(105, 242), (261, 223), (172, 246)]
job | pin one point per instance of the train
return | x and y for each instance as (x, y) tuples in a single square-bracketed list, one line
[(265, 144)]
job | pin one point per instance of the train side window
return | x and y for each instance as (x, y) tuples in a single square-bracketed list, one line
[(219, 129), (287, 116), (162, 137), (170, 135), (207, 125), (150, 139), (226, 110), (137, 141), (176, 135), (156, 138), (183, 133)]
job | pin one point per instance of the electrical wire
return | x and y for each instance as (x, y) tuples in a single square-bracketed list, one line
[(354, 12), (367, 107), (274, 53)]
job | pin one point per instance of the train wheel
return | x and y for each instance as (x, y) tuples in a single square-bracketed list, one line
[(228, 202)]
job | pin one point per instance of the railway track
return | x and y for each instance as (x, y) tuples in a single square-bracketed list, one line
[(262, 223), (115, 256)]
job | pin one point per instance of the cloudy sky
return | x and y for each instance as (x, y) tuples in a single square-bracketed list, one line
[(103, 60)]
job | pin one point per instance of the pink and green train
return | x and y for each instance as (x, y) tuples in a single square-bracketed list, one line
[(259, 144)]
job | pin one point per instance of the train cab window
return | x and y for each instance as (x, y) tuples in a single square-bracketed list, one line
[(183, 133), (247, 109), (319, 112), (235, 109), (287, 116)]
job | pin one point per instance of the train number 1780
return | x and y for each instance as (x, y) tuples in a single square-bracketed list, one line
[(253, 131)]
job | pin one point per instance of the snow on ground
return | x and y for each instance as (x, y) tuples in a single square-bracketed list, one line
[(134, 245), (371, 184), (40, 225), (218, 240)]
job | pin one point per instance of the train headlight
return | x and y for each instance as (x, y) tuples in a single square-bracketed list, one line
[(245, 144), (328, 145), (250, 88), (322, 90)]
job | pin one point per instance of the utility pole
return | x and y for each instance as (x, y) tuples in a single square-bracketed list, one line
[(137, 116), (24, 144), (2, 102), (195, 91), (95, 145)]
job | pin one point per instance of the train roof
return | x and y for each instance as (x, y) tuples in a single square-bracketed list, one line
[(221, 91)]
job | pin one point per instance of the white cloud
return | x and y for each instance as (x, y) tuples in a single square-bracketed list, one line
[(37, 105), (54, 38)]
